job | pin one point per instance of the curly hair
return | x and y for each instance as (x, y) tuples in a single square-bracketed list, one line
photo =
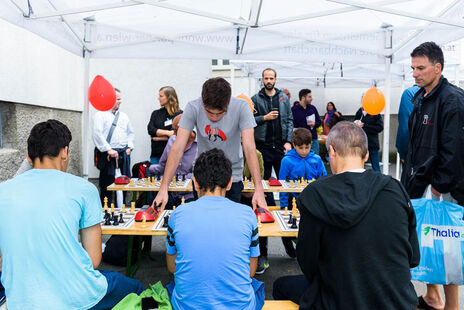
[(212, 169), (47, 139)]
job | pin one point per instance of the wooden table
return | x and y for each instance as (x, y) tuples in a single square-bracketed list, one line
[(138, 229)]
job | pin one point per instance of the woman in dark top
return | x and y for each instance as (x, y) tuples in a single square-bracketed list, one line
[(331, 117), (160, 125)]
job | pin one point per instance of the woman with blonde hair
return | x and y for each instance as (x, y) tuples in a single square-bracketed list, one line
[(160, 125)]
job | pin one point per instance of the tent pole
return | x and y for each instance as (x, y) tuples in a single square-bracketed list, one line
[(386, 129), (86, 117)]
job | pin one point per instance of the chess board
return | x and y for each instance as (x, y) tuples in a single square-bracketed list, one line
[(283, 220), (141, 183), (127, 217), (250, 187), (160, 221), (287, 185)]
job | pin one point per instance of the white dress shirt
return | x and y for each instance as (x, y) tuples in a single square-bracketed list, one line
[(123, 134)]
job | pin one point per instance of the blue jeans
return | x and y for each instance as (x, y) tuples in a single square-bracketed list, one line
[(154, 160), (119, 286), (374, 159), (315, 146)]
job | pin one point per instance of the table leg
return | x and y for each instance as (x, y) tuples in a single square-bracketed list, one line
[(132, 269)]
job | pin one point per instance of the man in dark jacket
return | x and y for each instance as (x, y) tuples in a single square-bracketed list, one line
[(372, 126), (436, 145), (357, 237), (273, 136), (305, 115)]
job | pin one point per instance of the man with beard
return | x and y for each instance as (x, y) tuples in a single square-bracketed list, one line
[(273, 135), (305, 115)]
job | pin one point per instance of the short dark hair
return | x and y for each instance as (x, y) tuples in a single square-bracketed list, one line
[(216, 94), (269, 69), (47, 139), (301, 136), (432, 51), (304, 92), (212, 169)]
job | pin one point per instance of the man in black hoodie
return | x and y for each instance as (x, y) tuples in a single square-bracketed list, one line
[(357, 237)]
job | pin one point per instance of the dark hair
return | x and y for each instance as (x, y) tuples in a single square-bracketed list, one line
[(430, 50), (216, 94), (304, 92), (301, 136), (212, 168), (295, 103), (333, 105), (269, 69), (117, 90), (47, 139)]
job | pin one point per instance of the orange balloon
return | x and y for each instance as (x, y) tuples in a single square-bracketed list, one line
[(242, 96), (373, 101)]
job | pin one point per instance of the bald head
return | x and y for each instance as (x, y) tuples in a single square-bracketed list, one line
[(347, 139)]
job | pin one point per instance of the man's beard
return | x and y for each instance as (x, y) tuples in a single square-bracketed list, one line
[(271, 87)]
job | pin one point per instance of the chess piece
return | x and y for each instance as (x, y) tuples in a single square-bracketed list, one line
[(182, 201), (115, 220), (144, 221), (298, 183), (131, 183), (106, 214), (302, 180), (108, 220), (183, 177), (166, 221), (173, 208), (292, 184), (179, 183), (259, 222), (294, 224), (140, 182), (132, 210), (252, 184), (105, 204), (290, 217), (146, 182), (123, 208), (287, 178), (245, 182), (121, 220), (294, 209), (174, 181), (286, 211), (112, 207)]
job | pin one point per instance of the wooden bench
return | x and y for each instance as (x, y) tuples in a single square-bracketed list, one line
[(279, 305)]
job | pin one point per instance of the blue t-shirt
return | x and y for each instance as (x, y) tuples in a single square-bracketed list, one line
[(214, 239), (44, 265)]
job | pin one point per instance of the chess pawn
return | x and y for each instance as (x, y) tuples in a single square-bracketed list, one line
[(173, 208), (298, 183), (131, 183), (285, 212), (292, 184), (123, 208), (302, 180), (144, 221), (132, 210), (182, 201), (259, 222), (105, 204), (146, 182), (112, 207), (179, 183), (294, 209), (153, 181), (245, 182), (252, 185)]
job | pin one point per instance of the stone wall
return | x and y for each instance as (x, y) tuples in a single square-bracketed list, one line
[(17, 122)]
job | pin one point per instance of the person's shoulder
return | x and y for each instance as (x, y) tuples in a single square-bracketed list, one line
[(314, 157)]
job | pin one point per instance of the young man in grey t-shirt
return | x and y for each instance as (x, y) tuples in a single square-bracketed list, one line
[(222, 122)]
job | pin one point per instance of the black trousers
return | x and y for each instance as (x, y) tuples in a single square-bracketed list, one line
[(272, 159), (106, 179), (290, 287)]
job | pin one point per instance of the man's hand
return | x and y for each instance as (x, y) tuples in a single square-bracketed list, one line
[(259, 200), (128, 151), (311, 123), (161, 200), (287, 146), (435, 192), (271, 116), (113, 153)]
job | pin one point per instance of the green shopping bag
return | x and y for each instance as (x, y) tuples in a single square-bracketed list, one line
[(134, 302)]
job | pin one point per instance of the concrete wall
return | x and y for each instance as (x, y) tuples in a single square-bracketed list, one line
[(18, 120), (139, 81)]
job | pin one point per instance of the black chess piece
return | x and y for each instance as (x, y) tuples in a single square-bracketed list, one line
[(107, 215), (183, 177), (156, 177), (290, 216), (177, 177), (166, 221), (121, 220), (287, 178), (108, 220), (115, 221), (294, 223)]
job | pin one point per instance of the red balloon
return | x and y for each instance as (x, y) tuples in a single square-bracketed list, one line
[(101, 94)]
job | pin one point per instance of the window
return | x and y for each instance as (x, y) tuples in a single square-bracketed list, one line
[(214, 62)]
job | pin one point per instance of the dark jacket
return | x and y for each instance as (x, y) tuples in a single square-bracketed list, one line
[(402, 134), (261, 108), (373, 125), (357, 241), (299, 118), (436, 142), (157, 121)]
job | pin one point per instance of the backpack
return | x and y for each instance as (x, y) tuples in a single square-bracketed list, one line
[(140, 170)]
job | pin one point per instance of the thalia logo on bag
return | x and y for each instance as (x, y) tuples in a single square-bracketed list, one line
[(441, 232)]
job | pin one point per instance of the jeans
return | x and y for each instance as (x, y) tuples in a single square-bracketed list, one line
[(119, 286), (290, 287), (374, 159), (315, 146)]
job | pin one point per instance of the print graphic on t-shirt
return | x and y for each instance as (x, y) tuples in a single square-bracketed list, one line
[(215, 133)]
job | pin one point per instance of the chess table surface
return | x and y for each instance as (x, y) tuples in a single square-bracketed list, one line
[(145, 229)]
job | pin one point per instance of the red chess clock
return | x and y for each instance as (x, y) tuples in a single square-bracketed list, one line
[(124, 179), (150, 215), (265, 215)]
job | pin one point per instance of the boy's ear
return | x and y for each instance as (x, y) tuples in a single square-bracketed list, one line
[(230, 184), (195, 185)]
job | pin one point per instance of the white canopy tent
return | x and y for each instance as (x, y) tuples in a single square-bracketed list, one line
[(345, 32)]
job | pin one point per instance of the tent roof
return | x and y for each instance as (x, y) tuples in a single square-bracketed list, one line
[(343, 31)]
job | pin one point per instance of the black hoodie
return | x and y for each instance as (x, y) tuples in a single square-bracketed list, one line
[(356, 243)]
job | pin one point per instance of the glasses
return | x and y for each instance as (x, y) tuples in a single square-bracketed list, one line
[(215, 113)]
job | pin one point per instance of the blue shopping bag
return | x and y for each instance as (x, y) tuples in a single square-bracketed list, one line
[(440, 230)]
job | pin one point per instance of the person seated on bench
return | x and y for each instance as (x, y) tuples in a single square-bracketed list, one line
[(185, 167), (212, 244), (357, 237), (42, 211)]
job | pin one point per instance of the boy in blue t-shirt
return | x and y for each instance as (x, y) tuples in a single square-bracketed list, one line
[(42, 211), (299, 163), (212, 244)]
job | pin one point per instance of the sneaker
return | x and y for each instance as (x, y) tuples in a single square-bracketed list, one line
[(263, 264)]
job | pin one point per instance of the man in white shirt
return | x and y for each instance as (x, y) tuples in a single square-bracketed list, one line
[(113, 144)]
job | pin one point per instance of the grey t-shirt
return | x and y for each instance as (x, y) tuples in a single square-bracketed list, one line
[(224, 134)]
